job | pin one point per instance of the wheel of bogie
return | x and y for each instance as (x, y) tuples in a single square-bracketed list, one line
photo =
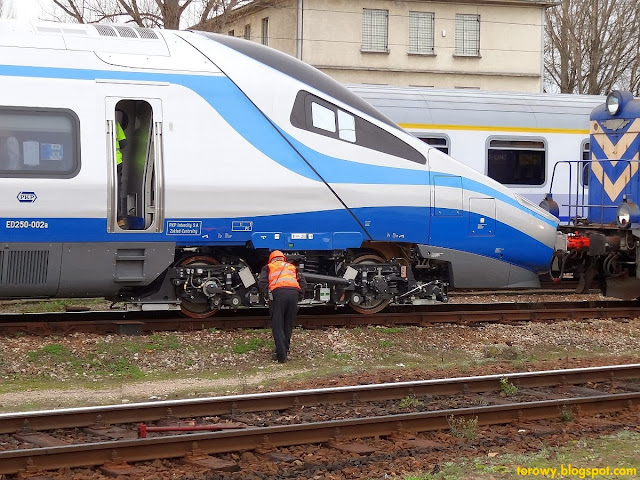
[(370, 259), (194, 309)]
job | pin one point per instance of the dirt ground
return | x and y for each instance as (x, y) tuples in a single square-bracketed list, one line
[(83, 369), (45, 372)]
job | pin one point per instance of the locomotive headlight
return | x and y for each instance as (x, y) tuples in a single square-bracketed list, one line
[(628, 213), (614, 100)]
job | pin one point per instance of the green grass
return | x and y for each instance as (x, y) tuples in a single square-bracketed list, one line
[(121, 368), (53, 350), (461, 427), (410, 402), (390, 329), (251, 345), (338, 356), (508, 388)]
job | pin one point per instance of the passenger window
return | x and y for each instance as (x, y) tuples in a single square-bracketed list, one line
[(585, 166), (323, 118), (347, 126), (441, 143), (38, 144), (517, 162)]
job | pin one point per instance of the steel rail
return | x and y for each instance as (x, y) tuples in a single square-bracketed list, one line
[(153, 411), (467, 314), (93, 454)]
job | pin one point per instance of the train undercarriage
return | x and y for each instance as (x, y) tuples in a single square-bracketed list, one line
[(605, 256), (204, 280)]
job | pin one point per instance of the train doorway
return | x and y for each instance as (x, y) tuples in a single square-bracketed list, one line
[(135, 156)]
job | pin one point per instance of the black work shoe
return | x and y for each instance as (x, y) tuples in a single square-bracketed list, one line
[(274, 357)]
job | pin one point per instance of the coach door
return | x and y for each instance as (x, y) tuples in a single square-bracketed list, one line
[(134, 144)]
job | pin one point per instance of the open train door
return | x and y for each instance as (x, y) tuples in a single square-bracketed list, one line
[(134, 146)]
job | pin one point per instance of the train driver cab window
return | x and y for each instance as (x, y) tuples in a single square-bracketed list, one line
[(323, 118), (517, 162), (441, 143), (347, 126), (585, 166), (38, 143), (319, 116), (134, 157)]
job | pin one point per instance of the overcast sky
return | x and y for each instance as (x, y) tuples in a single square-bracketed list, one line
[(29, 9)]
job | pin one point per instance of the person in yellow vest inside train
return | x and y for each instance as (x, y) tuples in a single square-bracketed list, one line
[(280, 282), (121, 142)]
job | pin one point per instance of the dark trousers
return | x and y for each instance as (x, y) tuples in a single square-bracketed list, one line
[(122, 196), (283, 314)]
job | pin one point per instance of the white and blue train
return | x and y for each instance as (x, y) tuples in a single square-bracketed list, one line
[(232, 149)]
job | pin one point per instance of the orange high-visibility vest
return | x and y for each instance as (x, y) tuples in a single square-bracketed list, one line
[(282, 274)]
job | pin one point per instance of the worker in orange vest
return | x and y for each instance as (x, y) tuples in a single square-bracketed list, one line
[(280, 282)]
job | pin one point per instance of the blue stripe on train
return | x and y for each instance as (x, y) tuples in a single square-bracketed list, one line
[(330, 230)]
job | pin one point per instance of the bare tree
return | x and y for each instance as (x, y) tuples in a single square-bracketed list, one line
[(198, 15), (593, 45), (6, 9)]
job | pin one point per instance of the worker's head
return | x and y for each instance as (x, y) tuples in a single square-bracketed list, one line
[(275, 254), (122, 118)]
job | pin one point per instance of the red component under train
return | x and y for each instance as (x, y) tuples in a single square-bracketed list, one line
[(577, 242)]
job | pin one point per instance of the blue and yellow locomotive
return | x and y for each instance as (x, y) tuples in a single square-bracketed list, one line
[(601, 241)]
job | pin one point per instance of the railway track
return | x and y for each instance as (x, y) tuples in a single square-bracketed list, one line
[(464, 314), (107, 436)]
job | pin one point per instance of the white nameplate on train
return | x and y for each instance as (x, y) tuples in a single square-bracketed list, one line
[(185, 227)]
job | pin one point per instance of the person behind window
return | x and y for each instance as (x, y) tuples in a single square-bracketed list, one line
[(280, 280), (10, 153), (121, 142)]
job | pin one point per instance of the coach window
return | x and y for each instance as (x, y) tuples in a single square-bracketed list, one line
[(38, 143), (585, 166), (517, 162), (440, 143)]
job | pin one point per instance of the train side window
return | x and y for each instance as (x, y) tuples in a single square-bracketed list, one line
[(517, 162), (323, 118), (585, 166), (319, 116), (42, 143), (440, 143)]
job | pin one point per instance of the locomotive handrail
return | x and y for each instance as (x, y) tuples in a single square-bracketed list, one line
[(578, 190)]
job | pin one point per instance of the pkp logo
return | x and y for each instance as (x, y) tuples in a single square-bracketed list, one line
[(27, 197)]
